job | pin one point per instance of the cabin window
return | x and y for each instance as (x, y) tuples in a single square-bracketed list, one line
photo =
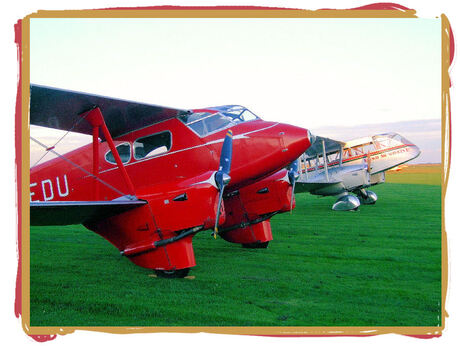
[(152, 145), (124, 150)]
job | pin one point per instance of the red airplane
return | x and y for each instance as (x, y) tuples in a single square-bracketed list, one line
[(153, 176)]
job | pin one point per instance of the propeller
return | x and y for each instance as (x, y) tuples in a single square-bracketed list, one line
[(293, 175), (222, 176)]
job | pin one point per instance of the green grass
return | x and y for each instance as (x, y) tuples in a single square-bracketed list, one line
[(380, 266)]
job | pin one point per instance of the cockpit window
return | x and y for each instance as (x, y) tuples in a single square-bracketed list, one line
[(124, 150), (152, 145), (217, 118), (390, 139)]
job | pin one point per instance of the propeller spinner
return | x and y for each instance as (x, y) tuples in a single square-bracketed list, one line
[(222, 176)]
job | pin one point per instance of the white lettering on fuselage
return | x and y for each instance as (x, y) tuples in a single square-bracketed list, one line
[(32, 193), (47, 197), (390, 153), (62, 194), (48, 189)]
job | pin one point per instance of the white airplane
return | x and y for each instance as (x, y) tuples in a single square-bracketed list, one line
[(334, 168)]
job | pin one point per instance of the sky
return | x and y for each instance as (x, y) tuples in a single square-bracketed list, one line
[(18, 9), (312, 73)]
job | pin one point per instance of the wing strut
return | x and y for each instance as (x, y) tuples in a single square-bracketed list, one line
[(95, 118), (96, 160), (325, 161), (341, 157)]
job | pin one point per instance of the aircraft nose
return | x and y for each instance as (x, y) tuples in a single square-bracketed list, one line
[(415, 150), (294, 141), (267, 150)]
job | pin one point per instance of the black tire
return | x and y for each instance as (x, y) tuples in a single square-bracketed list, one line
[(256, 245), (172, 274)]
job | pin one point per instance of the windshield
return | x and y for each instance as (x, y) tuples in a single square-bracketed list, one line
[(389, 140), (217, 118)]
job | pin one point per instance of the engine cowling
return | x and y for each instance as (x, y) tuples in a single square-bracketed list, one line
[(248, 210)]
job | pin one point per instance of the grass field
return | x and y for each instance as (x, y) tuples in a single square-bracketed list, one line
[(429, 174), (380, 266)]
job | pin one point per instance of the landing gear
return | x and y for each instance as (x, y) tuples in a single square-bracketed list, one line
[(172, 274), (346, 202), (366, 196), (256, 245)]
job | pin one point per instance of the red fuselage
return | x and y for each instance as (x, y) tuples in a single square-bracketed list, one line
[(260, 149)]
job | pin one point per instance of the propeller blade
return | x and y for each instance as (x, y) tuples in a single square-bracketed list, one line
[(293, 172), (226, 154), (216, 230), (222, 175), (292, 197), (293, 175)]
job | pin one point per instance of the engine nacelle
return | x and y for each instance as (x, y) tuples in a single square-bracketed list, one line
[(258, 233), (249, 209), (151, 237)]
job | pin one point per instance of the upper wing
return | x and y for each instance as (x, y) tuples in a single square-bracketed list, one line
[(60, 109), (330, 146), (73, 213)]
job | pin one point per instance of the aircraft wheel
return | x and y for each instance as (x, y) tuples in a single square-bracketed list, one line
[(257, 245), (171, 274)]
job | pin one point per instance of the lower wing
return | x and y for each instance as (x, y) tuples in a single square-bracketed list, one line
[(77, 212)]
